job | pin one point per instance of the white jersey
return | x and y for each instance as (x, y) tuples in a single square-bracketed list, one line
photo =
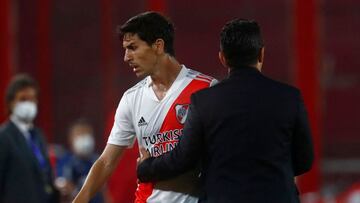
[(157, 125)]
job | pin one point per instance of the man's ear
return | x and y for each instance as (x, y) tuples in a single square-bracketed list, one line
[(159, 46), (222, 59), (261, 55)]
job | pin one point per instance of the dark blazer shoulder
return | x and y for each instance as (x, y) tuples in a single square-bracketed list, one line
[(4, 136), (6, 128), (208, 91), (280, 90), (10, 135), (273, 85), (282, 85)]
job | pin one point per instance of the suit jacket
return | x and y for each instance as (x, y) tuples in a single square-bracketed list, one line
[(21, 177), (252, 137)]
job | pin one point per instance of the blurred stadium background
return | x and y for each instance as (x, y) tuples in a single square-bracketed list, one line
[(72, 49)]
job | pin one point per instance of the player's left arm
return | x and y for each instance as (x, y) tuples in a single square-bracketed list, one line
[(184, 157)]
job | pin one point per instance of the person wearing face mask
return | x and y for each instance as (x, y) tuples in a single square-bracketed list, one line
[(76, 165), (25, 171)]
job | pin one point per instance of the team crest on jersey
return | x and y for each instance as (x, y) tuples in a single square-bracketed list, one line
[(181, 112)]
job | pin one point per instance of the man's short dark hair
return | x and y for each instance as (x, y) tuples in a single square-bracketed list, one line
[(150, 26), (241, 42), (18, 83)]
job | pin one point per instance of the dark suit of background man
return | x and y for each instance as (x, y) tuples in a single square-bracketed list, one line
[(25, 173), (249, 132)]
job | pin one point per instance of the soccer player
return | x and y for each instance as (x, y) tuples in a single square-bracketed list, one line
[(153, 111)]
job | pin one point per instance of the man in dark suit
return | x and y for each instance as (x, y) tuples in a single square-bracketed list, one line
[(25, 172), (250, 133)]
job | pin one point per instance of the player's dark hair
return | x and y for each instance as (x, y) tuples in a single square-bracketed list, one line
[(241, 42), (150, 26)]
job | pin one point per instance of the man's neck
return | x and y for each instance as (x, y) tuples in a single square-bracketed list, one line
[(22, 125), (166, 73), (257, 66), (164, 77)]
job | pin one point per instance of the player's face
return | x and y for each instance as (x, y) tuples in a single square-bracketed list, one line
[(141, 57)]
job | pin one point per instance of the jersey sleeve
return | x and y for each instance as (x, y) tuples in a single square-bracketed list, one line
[(122, 132), (213, 82)]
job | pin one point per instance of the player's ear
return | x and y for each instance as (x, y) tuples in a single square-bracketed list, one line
[(159, 46)]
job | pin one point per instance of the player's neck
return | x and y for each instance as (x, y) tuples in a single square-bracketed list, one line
[(166, 73)]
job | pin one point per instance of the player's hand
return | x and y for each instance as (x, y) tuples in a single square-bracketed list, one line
[(144, 154)]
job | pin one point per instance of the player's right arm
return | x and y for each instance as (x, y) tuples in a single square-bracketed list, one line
[(122, 136), (100, 172)]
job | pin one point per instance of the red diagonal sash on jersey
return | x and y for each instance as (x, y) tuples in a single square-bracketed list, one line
[(173, 121)]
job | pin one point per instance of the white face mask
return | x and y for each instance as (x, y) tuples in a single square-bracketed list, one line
[(25, 111), (83, 145)]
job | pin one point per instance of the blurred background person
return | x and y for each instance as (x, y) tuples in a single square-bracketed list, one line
[(74, 167), (25, 171)]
